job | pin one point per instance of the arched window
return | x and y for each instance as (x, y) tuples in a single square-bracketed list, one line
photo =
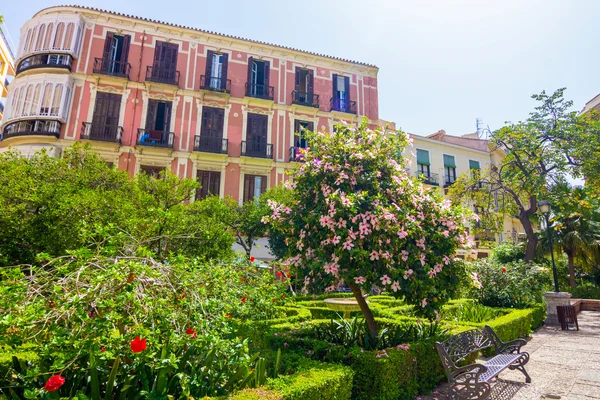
[(46, 99), (58, 90), (41, 37), (14, 102), (68, 36), (49, 32), (58, 38), (27, 103), (32, 41), (36, 100), (27, 41)]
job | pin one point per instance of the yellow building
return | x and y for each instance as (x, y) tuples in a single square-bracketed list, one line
[(440, 159), (7, 69)]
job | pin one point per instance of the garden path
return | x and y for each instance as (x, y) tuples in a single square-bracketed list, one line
[(562, 365)]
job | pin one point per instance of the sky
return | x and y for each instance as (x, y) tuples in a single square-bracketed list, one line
[(442, 63)]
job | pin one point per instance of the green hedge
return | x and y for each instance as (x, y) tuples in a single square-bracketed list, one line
[(319, 382)]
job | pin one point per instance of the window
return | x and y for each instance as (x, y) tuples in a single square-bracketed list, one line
[(299, 128), (158, 118), (165, 62), (341, 93), (210, 184), (212, 122), (116, 53), (258, 78), (49, 33), (151, 171), (423, 165), (216, 71), (254, 186), (474, 165), (304, 80), (256, 135), (105, 120), (449, 170), (58, 38), (40, 38)]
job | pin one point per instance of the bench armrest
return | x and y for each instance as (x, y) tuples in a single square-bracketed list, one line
[(514, 346), (468, 373)]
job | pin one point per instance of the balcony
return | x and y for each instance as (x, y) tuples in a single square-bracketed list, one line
[(45, 61), (155, 138), (296, 154), (161, 74), (32, 128), (449, 180), (431, 179), (209, 144), (342, 105), (112, 68), (1, 107), (257, 149), (6, 82), (215, 84), (305, 99), (260, 91), (102, 133)]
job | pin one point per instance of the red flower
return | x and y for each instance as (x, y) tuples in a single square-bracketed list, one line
[(103, 349), (279, 274), (274, 299), (182, 296), (503, 270), (251, 258), (192, 332), (288, 275), (228, 315), (243, 299), (130, 277), (54, 383), (283, 296), (138, 345)]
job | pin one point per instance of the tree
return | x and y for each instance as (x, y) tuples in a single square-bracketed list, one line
[(358, 217), (576, 227), (584, 149), (536, 155), (246, 222)]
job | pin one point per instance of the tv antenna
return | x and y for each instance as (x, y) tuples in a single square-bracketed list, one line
[(482, 132)]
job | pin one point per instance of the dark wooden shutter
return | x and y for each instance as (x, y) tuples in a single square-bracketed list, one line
[(215, 183), (347, 89), (125, 50), (310, 81), (159, 53), (297, 126), (171, 60), (168, 108), (263, 184), (224, 71), (209, 60), (250, 62), (266, 81), (151, 115), (248, 187), (106, 114), (212, 122), (311, 126), (107, 46), (298, 78), (335, 88)]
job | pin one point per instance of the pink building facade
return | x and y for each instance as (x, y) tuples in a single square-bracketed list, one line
[(148, 95)]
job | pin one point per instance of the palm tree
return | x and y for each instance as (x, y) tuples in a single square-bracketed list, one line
[(576, 228)]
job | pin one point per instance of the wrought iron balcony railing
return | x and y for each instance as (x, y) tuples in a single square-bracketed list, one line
[(215, 84), (155, 138), (103, 133), (254, 148), (260, 91), (111, 67), (208, 144), (45, 61), (449, 180), (296, 154), (32, 128), (305, 99), (162, 74), (431, 179), (343, 105)]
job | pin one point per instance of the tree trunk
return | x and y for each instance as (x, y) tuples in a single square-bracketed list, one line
[(364, 308), (571, 269), (532, 239)]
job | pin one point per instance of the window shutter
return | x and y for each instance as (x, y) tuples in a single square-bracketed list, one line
[(168, 108), (310, 81), (311, 126), (250, 62), (125, 50), (297, 79), (224, 72), (158, 53), (347, 89), (422, 157), (449, 161), (216, 183), (473, 164), (172, 59), (263, 185), (296, 126), (107, 45), (248, 186), (209, 60), (266, 89), (151, 115), (335, 88)]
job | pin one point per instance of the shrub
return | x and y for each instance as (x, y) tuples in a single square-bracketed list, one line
[(470, 312), (516, 284), (586, 291), (318, 382), (506, 252)]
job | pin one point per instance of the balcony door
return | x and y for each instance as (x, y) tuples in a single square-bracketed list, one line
[(105, 121), (164, 67), (341, 92), (216, 70), (211, 131), (256, 135), (158, 119), (304, 85), (116, 53), (258, 77), (299, 128)]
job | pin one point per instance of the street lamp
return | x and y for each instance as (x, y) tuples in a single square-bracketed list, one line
[(545, 209)]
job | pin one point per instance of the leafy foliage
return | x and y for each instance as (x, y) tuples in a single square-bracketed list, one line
[(508, 252)]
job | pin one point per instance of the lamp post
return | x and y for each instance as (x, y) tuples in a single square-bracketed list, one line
[(545, 208)]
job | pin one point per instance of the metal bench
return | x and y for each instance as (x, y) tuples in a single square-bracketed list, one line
[(473, 381)]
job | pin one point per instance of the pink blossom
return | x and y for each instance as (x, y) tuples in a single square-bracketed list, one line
[(385, 280), (359, 280), (446, 233), (408, 273), (386, 255), (432, 273), (446, 260), (421, 243), (336, 240), (422, 259), (395, 286), (424, 302), (404, 255), (402, 233), (437, 315), (374, 255), (331, 268), (341, 223), (348, 245)]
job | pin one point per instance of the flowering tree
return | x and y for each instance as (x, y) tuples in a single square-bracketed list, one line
[(359, 218)]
